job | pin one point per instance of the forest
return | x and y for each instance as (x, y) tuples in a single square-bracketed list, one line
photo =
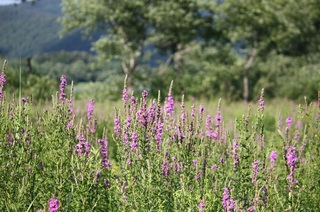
[(209, 48)]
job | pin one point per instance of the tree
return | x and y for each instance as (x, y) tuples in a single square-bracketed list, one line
[(130, 27), (258, 28), (122, 23)]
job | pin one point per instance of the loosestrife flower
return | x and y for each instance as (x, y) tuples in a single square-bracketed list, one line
[(165, 168), (255, 171), (83, 147), (90, 106), (104, 153), (227, 202), (151, 112), (291, 162), (218, 118), (193, 111), (128, 121), (214, 166), (2, 82), (117, 127), (53, 205), (235, 155), (159, 132), (289, 121), (169, 107), (251, 209), (142, 115), (202, 205), (273, 159), (124, 97), (261, 104), (63, 84), (134, 141), (201, 109)]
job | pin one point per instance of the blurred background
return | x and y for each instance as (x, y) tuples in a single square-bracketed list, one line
[(227, 49)]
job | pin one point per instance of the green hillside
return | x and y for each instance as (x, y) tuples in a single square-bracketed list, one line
[(30, 29)]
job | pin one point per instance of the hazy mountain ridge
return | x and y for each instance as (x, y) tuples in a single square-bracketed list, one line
[(30, 29)]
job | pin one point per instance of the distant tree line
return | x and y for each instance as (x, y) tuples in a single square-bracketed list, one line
[(231, 48)]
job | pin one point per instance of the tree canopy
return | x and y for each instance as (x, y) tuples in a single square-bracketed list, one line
[(228, 39)]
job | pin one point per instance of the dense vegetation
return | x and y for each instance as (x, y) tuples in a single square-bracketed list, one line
[(32, 29), (170, 155), (228, 49)]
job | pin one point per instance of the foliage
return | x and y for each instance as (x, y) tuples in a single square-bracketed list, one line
[(169, 156), (31, 29)]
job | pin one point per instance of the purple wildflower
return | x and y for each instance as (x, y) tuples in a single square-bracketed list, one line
[(273, 158), (255, 166), (134, 141), (117, 127), (209, 126), (251, 209), (23, 99), (227, 202), (165, 168), (218, 118), (193, 109), (128, 121), (158, 136), (169, 107), (235, 155), (202, 205), (124, 97), (104, 153), (2, 82), (151, 112), (214, 166), (297, 136), (291, 162), (107, 183), (183, 114), (83, 148), (201, 109), (141, 114), (53, 205), (299, 124), (63, 84), (221, 160), (90, 106), (289, 121), (261, 104)]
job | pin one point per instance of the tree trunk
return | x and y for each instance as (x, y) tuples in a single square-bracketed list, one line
[(129, 68), (247, 67)]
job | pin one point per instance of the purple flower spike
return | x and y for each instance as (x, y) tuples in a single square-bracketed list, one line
[(124, 97), (201, 109), (134, 143), (291, 156), (227, 202), (104, 153), (53, 205), (63, 84), (2, 82), (261, 104), (289, 121), (202, 205), (90, 106), (273, 158), (255, 171), (169, 107)]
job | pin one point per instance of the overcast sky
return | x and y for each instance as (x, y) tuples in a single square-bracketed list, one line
[(7, 2)]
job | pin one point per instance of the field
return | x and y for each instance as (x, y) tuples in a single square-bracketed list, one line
[(142, 154)]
